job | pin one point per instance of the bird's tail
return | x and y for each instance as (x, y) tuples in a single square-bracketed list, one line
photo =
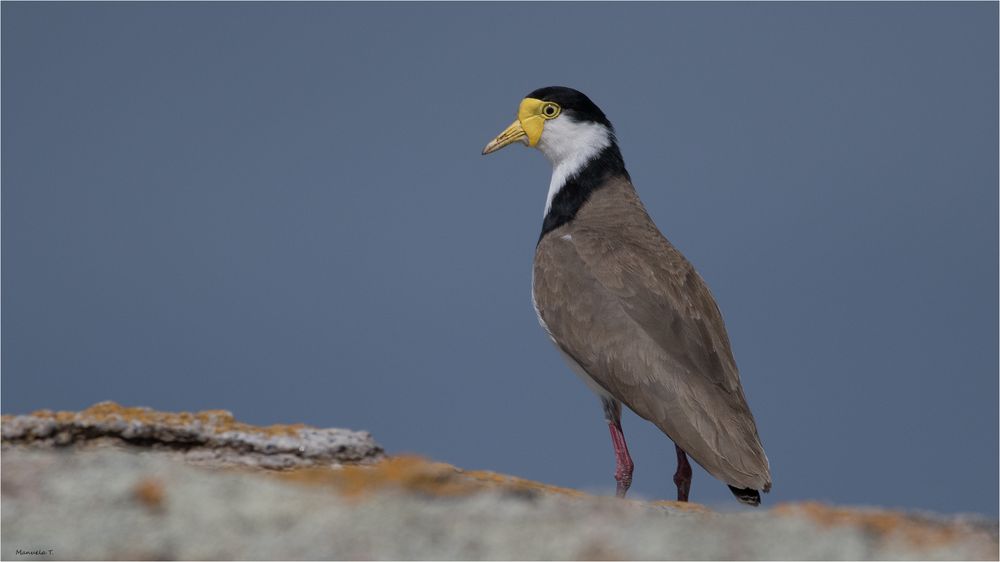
[(748, 496)]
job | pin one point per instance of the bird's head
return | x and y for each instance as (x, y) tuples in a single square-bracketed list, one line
[(561, 122)]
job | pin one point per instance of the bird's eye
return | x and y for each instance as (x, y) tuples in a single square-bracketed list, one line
[(551, 110)]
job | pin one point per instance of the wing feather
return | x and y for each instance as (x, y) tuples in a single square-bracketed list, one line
[(633, 313)]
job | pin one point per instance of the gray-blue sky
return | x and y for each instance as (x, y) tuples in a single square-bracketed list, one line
[(281, 210)]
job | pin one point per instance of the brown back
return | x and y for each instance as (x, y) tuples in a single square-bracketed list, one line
[(634, 314)]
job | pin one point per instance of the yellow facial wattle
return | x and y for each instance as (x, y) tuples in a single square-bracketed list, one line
[(531, 118)]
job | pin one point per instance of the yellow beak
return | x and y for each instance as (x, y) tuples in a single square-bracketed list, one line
[(527, 128), (509, 135)]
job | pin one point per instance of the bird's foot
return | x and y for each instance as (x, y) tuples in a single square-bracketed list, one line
[(623, 476), (623, 461)]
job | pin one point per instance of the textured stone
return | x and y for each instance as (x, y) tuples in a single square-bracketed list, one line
[(212, 438), (113, 504), (66, 495)]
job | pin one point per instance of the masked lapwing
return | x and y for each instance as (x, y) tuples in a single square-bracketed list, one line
[(626, 310)]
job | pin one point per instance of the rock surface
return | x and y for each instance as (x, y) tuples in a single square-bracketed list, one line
[(73, 491), (212, 438)]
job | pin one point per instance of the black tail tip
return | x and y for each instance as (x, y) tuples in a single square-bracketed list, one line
[(748, 496)]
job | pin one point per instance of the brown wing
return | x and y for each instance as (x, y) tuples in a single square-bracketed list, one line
[(633, 313)]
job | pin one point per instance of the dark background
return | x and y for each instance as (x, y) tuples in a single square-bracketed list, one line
[(281, 210)]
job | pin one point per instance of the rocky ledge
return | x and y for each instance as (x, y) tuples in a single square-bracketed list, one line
[(210, 438), (131, 483)]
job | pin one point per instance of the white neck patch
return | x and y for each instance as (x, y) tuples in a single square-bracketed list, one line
[(570, 145)]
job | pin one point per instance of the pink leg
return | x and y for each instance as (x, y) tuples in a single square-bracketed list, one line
[(682, 478), (623, 462)]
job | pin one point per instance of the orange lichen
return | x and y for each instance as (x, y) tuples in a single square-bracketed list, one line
[(519, 484), (880, 523), (408, 473), (150, 492), (682, 506), (220, 421), (415, 474)]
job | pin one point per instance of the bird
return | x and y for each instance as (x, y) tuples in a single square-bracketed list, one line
[(625, 309)]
